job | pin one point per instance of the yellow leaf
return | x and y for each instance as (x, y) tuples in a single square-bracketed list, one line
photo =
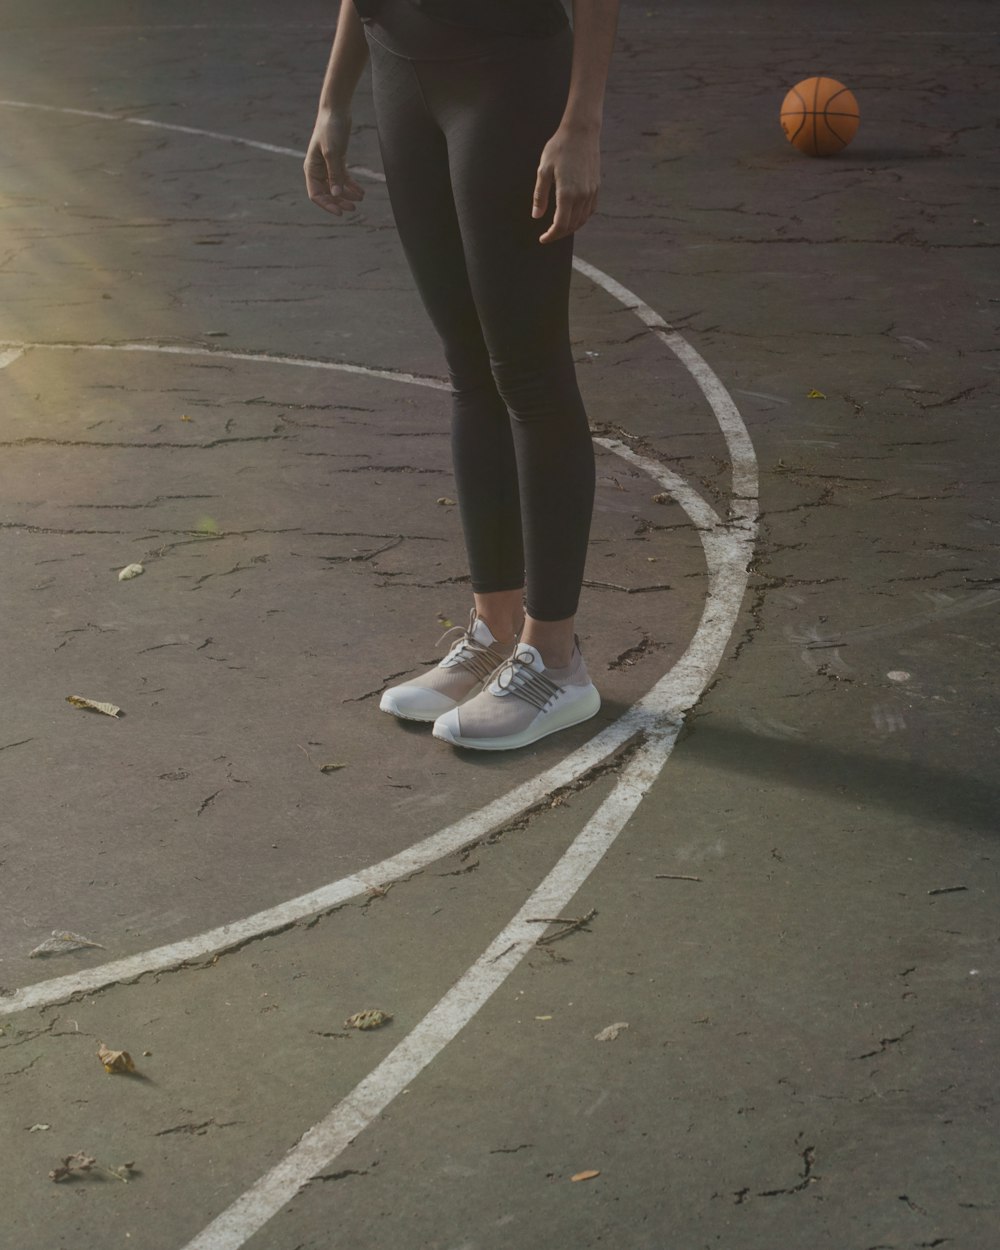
[(372, 1019), (814, 394), (115, 1060)]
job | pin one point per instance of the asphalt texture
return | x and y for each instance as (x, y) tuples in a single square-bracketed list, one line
[(798, 922)]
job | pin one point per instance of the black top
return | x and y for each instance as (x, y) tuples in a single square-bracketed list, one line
[(508, 17)]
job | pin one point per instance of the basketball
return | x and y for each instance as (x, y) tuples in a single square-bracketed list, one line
[(819, 116)]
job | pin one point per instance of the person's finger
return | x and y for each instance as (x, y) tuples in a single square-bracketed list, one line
[(543, 187), (318, 191), (563, 223)]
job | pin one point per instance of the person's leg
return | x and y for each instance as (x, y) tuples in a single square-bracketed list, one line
[(415, 160), (497, 116)]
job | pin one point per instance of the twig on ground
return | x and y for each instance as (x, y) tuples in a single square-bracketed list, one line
[(571, 925)]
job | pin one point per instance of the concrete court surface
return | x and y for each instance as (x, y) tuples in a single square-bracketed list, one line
[(798, 922)]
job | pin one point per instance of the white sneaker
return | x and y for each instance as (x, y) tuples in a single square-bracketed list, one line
[(524, 701), (469, 663)]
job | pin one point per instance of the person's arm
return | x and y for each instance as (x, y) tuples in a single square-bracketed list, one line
[(328, 182), (571, 160)]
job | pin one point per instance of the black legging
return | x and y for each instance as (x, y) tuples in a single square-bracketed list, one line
[(462, 119)]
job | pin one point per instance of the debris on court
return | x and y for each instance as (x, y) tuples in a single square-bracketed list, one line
[(61, 943), (108, 709), (75, 1166), (446, 502), (39, 1128), (371, 1019), (814, 394), (130, 571), (323, 768), (571, 924), (611, 1032), (585, 1176), (115, 1060)]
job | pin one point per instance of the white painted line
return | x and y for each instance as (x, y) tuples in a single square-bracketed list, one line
[(184, 130), (727, 583), (677, 690), (321, 1144), (8, 356), (267, 358), (741, 453), (727, 548), (272, 919), (673, 693)]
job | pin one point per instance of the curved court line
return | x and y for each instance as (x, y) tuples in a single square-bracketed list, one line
[(660, 716), (11, 351), (321, 1144), (677, 690), (727, 546)]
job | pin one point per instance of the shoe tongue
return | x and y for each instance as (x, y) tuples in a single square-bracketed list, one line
[(480, 631)]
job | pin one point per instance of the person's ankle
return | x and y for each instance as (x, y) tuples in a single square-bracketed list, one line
[(505, 633)]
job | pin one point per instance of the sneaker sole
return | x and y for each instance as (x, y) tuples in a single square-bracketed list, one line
[(424, 718), (575, 713)]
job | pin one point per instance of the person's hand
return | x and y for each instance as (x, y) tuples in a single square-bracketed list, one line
[(328, 183), (571, 163)]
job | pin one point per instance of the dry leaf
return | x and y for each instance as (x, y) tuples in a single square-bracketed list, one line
[(39, 1128), (73, 1165), (814, 394), (543, 1017), (663, 497), (585, 1176), (62, 943), (611, 1032), (372, 1019), (80, 1164), (448, 503), (115, 1060), (108, 709), (331, 768), (130, 571), (185, 417)]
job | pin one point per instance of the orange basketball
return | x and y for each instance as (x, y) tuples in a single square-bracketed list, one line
[(819, 116)]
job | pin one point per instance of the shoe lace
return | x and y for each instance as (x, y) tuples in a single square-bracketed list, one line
[(517, 677), (480, 660)]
